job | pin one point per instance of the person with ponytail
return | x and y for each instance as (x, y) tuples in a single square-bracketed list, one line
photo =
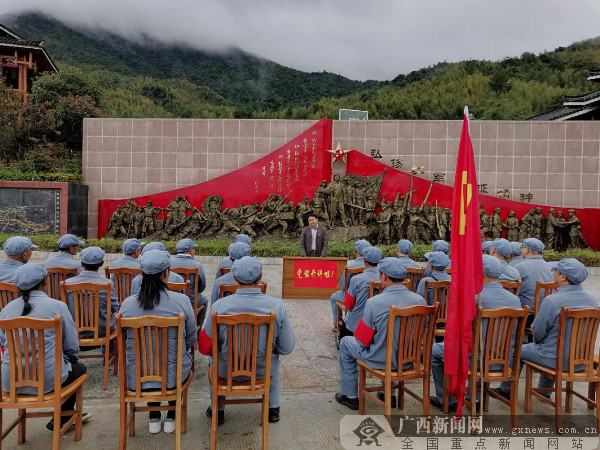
[(155, 299), (33, 302)]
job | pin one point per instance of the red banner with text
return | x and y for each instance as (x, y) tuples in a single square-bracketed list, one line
[(315, 274)]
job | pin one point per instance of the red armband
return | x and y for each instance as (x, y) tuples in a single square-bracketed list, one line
[(363, 333), (349, 301), (204, 343)]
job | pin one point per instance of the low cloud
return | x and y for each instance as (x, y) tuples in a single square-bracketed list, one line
[(376, 39)]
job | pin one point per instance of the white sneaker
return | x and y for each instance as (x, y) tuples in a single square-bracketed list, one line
[(155, 425), (169, 425)]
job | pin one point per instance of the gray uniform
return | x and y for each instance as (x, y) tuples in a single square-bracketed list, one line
[(253, 301), (43, 307), (94, 277), (338, 296), (545, 328), (370, 336), (436, 275), (225, 263), (493, 296), (170, 305), (516, 260), (532, 270), (408, 262), (225, 279), (358, 294), (186, 260), (65, 260), (509, 273), (136, 283), (7, 268)]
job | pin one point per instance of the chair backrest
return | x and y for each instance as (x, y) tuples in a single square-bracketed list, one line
[(183, 288), (499, 326), (511, 286), (122, 277), (349, 272), (577, 333), (26, 352), (8, 292), (414, 274), (228, 289), (441, 294), (375, 288), (86, 305), (548, 289), (55, 276), (242, 345), (150, 346), (225, 270), (414, 336), (449, 270), (189, 274)]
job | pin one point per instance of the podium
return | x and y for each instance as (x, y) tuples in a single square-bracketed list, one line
[(312, 278)]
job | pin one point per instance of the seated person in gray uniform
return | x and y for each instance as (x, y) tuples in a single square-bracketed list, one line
[(186, 250), (237, 250), (492, 296), (338, 296), (370, 336), (18, 250), (137, 280), (532, 270), (436, 263), (92, 258), (568, 273), (227, 262), (132, 249), (249, 299), (358, 291), (35, 304), (155, 299), (485, 247), (516, 254), (404, 247), (438, 246), (502, 249), (68, 246)]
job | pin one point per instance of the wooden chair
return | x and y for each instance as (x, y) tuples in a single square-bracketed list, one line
[(8, 292), (504, 328), (441, 294), (55, 276), (242, 357), (86, 307), (511, 286), (449, 270), (414, 274), (151, 365), (548, 288), (121, 278), (414, 338), (183, 288), (28, 369), (229, 289), (224, 270), (191, 275), (375, 288), (581, 344)]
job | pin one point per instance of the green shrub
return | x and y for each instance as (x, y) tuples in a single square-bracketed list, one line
[(277, 249)]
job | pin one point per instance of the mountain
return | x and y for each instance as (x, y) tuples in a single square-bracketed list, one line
[(245, 80)]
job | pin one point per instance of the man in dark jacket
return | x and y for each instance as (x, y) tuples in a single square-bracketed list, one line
[(313, 238)]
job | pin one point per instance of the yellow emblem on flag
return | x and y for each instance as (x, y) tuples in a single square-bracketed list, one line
[(464, 202)]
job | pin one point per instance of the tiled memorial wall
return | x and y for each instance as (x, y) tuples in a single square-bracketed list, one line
[(556, 162)]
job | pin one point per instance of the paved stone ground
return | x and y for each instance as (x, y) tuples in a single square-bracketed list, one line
[(310, 375)]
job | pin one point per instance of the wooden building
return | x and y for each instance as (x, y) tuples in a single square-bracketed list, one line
[(22, 59), (579, 107)]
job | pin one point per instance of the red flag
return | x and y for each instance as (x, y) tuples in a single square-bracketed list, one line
[(467, 269)]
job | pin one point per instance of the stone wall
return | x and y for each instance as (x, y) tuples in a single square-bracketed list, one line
[(557, 162)]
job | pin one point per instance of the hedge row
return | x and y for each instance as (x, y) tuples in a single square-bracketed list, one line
[(218, 247)]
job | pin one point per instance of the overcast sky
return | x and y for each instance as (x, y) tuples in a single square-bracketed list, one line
[(360, 39)]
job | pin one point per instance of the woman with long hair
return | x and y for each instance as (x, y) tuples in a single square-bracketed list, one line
[(155, 299)]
